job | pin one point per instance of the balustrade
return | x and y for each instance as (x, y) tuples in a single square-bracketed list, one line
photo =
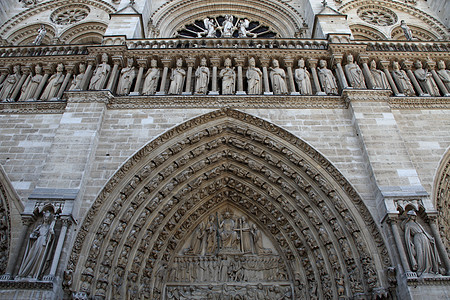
[(247, 73)]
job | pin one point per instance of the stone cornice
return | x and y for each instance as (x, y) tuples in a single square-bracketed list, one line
[(37, 107)]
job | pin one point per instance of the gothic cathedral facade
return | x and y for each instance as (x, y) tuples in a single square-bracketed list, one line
[(225, 149)]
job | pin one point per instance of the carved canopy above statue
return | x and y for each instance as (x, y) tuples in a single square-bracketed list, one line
[(228, 198)]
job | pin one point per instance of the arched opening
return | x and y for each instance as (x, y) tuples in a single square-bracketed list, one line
[(26, 35), (138, 239), (362, 32), (86, 33)]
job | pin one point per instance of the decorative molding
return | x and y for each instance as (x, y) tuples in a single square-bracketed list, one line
[(419, 102), (33, 107), (28, 285)]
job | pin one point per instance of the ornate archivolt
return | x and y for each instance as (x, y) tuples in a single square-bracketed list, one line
[(390, 10), (277, 15), (441, 196), (363, 32), (11, 28), (5, 229), (85, 33), (419, 33), (312, 220), (27, 34)]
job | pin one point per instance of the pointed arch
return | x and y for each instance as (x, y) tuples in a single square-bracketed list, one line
[(363, 32), (84, 33), (441, 197), (303, 204)]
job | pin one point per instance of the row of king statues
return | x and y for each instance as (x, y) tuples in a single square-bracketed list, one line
[(273, 79)]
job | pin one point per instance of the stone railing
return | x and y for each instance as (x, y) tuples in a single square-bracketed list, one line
[(214, 67)]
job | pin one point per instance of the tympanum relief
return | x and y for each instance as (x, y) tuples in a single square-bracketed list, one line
[(227, 255)]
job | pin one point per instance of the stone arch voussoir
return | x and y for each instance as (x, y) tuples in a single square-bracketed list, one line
[(140, 221)]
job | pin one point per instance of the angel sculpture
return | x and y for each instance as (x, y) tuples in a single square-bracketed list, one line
[(228, 26), (210, 28), (243, 32)]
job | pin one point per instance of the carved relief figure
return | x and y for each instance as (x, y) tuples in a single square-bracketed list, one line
[(228, 26), (177, 78), (228, 76), (243, 32), (127, 76), (211, 235), (101, 74), (425, 79), (31, 84), (421, 247), (197, 239), (254, 76), (278, 79), (406, 31), (38, 249), (327, 79), (202, 78), (354, 74), (303, 78), (77, 79), (54, 84), (258, 241), (151, 79), (379, 78), (210, 27), (402, 80), (40, 36), (443, 74), (9, 84), (246, 238), (228, 235)]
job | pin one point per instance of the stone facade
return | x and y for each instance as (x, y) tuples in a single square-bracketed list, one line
[(235, 150)]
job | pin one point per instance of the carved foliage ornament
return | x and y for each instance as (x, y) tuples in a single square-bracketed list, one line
[(4, 231), (378, 16), (70, 14)]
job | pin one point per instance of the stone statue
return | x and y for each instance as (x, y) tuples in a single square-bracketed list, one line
[(211, 235), (197, 239), (406, 30), (127, 76), (354, 74), (177, 79), (54, 84), (228, 235), (77, 79), (39, 247), (41, 33), (443, 74), (278, 79), (228, 26), (402, 80), (31, 84), (210, 27), (202, 78), (379, 78), (421, 247), (245, 238), (151, 79), (228, 76), (243, 32), (101, 74), (303, 78), (425, 79), (327, 79), (254, 78), (9, 84)]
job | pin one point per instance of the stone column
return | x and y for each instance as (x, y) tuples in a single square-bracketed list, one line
[(408, 65), (337, 59), (432, 66), (166, 63), (215, 62), (63, 87), (289, 62), (27, 71), (87, 74), (117, 60), (364, 60), (62, 236), (142, 63), (385, 65), (240, 82), (190, 61), (47, 72), (312, 62), (440, 246), (27, 221), (392, 220), (265, 61)]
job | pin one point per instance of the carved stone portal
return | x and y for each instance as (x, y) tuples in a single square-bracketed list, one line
[(227, 255)]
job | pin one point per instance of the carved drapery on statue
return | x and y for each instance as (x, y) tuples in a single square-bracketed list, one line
[(290, 205)]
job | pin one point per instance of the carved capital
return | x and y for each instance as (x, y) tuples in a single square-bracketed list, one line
[(117, 59), (215, 61), (265, 61), (4, 70), (431, 64), (407, 64), (312, 63), (239, 61), (385, 64), (91, 60), (289, 62), (166, 61), (363, 58), (26, 69), (336, 59), (142, 62), (70, 68), (190, 61), (48, 69)]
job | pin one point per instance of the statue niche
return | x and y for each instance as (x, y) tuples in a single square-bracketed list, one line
[(227, 255)]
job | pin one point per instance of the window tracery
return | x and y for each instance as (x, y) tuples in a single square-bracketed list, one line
[(377, 16), (68, 15)]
